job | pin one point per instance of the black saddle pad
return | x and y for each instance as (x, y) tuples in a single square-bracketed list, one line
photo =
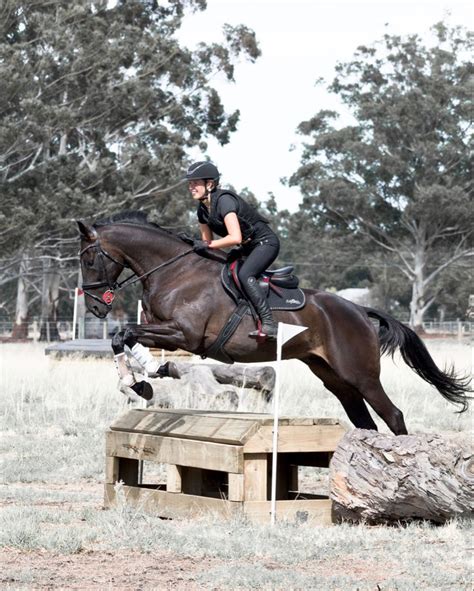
[(279, 297)]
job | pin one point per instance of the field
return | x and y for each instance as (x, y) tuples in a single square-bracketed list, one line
[(55, 534)]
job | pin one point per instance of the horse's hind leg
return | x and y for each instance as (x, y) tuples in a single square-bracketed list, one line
[(353, 387), (348, 396), (373, 392), (364, 379)]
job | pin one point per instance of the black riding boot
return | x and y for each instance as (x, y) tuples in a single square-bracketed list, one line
[(269, 327)]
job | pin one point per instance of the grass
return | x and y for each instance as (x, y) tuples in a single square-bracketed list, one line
[(53, 415)]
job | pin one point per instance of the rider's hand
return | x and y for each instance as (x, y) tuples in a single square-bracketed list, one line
[(200, 246), (234, 254)]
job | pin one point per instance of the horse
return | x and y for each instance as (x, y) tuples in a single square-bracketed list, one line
[(186, 307)]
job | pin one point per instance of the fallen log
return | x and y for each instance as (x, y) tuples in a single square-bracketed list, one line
[(382, 478), (242, 376), (210, 386)]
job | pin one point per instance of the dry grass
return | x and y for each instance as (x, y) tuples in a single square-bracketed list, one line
[(52, 420)]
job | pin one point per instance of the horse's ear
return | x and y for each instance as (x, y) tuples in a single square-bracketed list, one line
[(87, 231)]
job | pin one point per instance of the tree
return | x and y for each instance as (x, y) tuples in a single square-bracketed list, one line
[(99, 105), (400, 174)]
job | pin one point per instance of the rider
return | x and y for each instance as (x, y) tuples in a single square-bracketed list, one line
[(223, 212)]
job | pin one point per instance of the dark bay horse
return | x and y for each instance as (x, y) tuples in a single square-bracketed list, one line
[(186, 308)]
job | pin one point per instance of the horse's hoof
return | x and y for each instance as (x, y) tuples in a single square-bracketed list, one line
[(166, 370), (127, 391), (143, 389)]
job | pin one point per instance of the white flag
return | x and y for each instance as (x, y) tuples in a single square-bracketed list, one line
[(287, 332)]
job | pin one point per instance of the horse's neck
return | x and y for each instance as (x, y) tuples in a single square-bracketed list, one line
[(144, 248)]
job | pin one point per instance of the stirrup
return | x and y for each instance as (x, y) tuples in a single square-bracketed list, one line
[(261, 335)]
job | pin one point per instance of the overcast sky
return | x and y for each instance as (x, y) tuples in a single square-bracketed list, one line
[(301, 40)]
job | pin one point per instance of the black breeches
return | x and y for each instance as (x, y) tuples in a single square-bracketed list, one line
[(259, 257)]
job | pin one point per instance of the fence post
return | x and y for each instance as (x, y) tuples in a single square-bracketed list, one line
[(459, 330), (81, 327)]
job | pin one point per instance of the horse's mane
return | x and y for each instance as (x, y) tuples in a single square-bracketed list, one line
[(139, 218)]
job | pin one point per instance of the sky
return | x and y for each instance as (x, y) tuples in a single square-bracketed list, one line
[(301, 41)]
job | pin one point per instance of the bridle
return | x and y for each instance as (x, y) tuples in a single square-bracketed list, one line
[(114, 286)]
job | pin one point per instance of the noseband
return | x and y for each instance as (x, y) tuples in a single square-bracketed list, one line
[(108, 296)]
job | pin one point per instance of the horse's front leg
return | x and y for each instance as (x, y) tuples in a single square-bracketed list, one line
[(127, 377), (167, 335), (141, 354)]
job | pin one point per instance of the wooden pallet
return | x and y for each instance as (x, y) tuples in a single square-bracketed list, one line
[(219, 462)]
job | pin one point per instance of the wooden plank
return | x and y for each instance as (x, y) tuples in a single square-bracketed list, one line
[(111, 470), (300, 421), (174, 483), (329, 421), (255, 477), (171, 505), (314, 511), (171, 450), (293, 438), (221, 429), (236, 487)]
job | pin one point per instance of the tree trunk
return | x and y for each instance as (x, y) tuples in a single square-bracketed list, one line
[(417, 303), (210, 386), (383, 478), (81, 309), (242, 376), (20, 327), (49, 302)]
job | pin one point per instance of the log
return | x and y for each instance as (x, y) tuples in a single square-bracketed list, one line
[(381, 478), (210, 386), (242, 376)]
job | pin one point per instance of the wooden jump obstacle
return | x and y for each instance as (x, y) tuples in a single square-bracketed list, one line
[(219, 462)]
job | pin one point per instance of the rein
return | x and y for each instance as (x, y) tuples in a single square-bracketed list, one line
[(116, 286)]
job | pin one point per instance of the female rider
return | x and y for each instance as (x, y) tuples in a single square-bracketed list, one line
[(223, 212)]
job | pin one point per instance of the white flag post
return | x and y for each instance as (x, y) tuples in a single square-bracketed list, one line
[(139, 312), (285, 333), (74, 313)]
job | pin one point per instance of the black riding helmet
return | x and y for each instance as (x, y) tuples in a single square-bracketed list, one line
[(203, 171)]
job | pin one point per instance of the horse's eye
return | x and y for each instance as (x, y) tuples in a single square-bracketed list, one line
[(89, 263)]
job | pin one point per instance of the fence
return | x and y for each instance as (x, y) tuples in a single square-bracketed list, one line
[(86, 328), (94, 328)]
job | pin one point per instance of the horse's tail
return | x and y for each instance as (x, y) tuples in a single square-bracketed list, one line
[(394, 335)]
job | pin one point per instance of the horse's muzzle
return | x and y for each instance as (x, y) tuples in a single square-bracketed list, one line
[(98, 312)]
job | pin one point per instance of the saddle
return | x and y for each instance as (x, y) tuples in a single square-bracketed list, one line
[(282, 292), (279, 285)]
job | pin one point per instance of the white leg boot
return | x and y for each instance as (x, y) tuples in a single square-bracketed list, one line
[(126, 377), (146, 360)]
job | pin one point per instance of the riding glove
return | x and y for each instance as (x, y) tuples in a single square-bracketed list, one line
[(200, 246)]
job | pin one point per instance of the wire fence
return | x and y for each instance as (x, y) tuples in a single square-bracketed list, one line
[(62, 329), (94, 328)]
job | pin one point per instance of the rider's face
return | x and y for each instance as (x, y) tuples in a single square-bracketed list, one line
[(199, 188)]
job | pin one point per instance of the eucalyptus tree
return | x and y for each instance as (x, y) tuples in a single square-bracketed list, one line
[(400, 173), (99, 106)]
